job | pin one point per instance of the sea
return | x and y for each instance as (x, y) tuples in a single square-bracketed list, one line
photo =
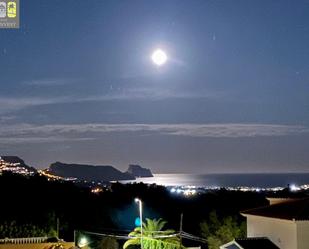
[(270, 180)]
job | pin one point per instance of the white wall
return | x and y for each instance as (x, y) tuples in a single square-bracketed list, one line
[(283, 233), (273, 201), (302, 234)]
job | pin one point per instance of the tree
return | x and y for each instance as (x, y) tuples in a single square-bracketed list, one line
[(218, 232), (153, 236)]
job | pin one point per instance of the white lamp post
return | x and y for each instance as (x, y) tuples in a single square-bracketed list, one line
[(140, 218)]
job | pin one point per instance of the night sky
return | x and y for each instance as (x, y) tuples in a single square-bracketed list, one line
[(77, 85)]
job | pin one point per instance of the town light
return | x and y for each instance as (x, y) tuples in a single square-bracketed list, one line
[(83, 242)]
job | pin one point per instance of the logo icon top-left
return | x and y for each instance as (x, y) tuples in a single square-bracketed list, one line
[(2, 9)]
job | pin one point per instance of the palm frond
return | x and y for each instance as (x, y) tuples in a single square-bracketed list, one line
[(152, 230), (131, 242)]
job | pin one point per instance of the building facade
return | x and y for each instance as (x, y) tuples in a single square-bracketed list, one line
[(285, 223)]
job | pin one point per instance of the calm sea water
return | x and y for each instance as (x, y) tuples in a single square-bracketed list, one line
[(227, 180)]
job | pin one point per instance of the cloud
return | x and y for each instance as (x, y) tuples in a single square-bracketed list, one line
[(144, 93), (24, 133), (13, 104), (6, 119), (152, 93), (36, 140), (9, 104), (48, 82)]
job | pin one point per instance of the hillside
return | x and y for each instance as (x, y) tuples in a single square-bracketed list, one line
[(15, 164), (88, 172)]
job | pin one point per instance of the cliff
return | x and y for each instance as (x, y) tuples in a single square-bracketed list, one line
[(139, 171)]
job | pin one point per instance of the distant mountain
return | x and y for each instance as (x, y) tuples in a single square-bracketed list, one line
[(12, 160), (15, 164), (88, 172), (138, 171)]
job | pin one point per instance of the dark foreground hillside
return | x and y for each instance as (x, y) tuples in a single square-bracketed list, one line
[(39, 202)]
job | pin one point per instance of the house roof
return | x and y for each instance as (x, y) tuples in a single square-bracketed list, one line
[(250, 243), (290, 210), (256, 243)]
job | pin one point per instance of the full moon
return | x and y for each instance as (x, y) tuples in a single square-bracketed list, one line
[(159, 57)]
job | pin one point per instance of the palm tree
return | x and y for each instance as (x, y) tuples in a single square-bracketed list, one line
[(153, 236)]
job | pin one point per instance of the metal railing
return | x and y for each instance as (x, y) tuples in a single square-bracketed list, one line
[(32, 240)]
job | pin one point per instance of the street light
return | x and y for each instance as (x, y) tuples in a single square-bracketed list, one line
[(140, 205)]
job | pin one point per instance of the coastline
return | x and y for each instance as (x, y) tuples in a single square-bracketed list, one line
[(251, 180)]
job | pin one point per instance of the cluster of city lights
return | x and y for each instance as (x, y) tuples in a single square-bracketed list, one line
[(54, 177), (96, 190), (294, 187), (15, 168), (186, 191), (193, 190)]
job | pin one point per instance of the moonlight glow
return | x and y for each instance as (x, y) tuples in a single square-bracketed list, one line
[(159, 57)]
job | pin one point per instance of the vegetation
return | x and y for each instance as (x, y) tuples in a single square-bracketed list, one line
[(153, 236), (14, 230), (108, 243), (220, 231), (41, 202)]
